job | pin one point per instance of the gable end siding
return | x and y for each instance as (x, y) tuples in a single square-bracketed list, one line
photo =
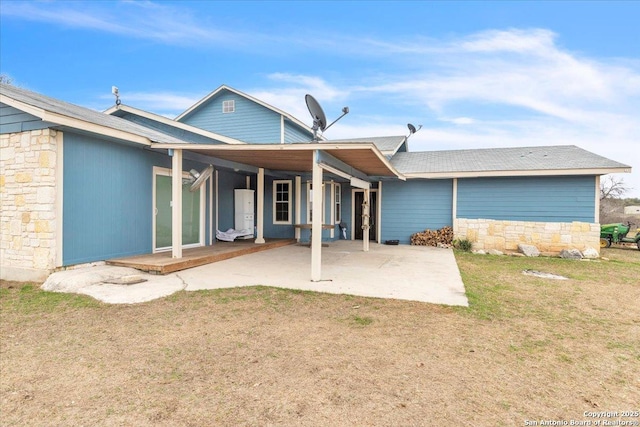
[(293, 133), (538, 199), (13, 120), (182, 134), (250, 122), (415, 205)]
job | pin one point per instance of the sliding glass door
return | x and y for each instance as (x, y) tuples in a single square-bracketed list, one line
[(192, 213)]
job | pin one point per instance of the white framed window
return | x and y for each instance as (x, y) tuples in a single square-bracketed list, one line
[(282, 202), (338, 202), (229, 106)]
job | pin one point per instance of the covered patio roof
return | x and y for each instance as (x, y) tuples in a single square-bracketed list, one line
[(362, 157), (361, 163)]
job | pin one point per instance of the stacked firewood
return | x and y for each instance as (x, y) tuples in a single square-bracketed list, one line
[(441, 237)]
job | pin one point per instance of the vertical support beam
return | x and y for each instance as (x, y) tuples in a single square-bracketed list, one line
[(596, 214), (366, 205), (260, 207), (298, 205), (316, 222), (379, 213), (216, 196), (248, 182), (176, 204), (454, 207), (212, 232), (332, 209)]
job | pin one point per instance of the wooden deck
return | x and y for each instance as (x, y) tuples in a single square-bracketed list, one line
[(162, 263)]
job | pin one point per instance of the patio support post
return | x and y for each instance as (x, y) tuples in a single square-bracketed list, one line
[(176, 203), (212, 233), (378, 223), (365, 220), (298, 205), (216, 201), (316, 222), (454, 207), (260, 207)]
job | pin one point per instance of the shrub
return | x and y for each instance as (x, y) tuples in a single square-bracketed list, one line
[(463, 244)]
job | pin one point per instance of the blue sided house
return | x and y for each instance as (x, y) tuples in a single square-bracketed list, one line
[(80, 186)]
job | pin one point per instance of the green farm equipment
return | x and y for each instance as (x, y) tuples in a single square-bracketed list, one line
[(617, 233)]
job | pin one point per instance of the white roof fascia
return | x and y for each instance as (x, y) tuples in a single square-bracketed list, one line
[(63, 120), (249, 97), (549, 172), (170, 122), (270, 147)]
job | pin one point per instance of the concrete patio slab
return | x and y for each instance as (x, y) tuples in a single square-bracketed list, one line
[(95, 281), (415, 273)]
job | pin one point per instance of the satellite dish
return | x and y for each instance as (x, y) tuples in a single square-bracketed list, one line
[(199, 177), (116, 93), (319, 119), (412, 129)]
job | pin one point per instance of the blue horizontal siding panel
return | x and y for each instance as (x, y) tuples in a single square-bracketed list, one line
[(250, 122), (108, 198), (13, 120), (170, 130), (415, 205), (227, 182), (294, 133), (541, 199)]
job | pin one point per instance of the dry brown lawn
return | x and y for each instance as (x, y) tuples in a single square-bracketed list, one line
[(526, 349)]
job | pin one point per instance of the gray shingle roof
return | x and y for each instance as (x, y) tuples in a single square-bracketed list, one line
[(562, 157), (85, 114), (385, 144)]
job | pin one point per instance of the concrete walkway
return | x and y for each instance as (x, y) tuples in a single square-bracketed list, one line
[(415, 273)]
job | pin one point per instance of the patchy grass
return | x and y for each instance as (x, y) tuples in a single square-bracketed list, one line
[(28, 298), (527, 348), (362, 321)]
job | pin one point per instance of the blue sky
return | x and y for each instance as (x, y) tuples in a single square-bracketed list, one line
[(474, 74)]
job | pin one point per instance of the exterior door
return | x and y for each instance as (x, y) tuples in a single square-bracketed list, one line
[(357, 220), (192, 215)]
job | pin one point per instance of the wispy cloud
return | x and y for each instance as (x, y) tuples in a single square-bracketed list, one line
[(536, 41), (495, 88), (500, 87), (160, 22), (168, 104)]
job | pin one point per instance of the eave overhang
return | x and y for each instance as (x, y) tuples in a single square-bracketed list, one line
[(365, 158), (75, 123)]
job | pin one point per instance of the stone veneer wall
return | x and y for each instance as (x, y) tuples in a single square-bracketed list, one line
[(549, 237), (28, 204)]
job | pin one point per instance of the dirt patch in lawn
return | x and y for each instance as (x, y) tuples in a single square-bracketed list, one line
[(527, 348)]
